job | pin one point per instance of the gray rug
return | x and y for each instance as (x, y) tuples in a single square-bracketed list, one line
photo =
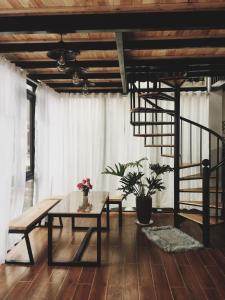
[(171, 239)]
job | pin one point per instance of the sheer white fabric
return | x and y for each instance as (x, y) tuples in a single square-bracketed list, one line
[(13, 148), (77, 136)]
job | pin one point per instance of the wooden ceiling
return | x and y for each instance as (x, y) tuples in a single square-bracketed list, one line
[(119, 41)]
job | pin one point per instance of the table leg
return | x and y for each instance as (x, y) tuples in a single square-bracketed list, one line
[(99, 230), (73, 222), (50, 219), (107, 217)]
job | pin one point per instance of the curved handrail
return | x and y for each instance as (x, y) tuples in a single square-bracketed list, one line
[(220, 164), (188, 121)]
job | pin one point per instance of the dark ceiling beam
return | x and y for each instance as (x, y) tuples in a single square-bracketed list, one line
[(90, 91), (166, 62), (174, 61), (97, 84), (43, 47), (114, 22), (175, 43), (108, 45), (175, 68), (182, 89), (52, 64), (169, 90), (68, 76), (120, 51), (162, 76)]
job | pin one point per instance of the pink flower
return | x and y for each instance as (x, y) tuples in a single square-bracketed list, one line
[(84, 181), (88, 180), (80, 186), (90, 186)]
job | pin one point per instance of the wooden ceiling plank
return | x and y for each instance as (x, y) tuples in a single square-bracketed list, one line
[(93, 7), (120, 51)]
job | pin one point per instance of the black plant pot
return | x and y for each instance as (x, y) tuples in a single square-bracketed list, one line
[(144, 209)]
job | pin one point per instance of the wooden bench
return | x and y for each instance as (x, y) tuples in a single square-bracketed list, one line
[(26, 222), (117, 199)]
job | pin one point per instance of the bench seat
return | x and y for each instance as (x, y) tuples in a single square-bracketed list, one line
[(32, 216), (26, 222)]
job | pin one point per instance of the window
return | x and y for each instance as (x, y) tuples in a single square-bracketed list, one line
[(28, 201), (30, 134)]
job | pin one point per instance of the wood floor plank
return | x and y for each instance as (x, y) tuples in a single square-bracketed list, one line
[(145, 278), (87, 275), (116, 277), (155, 256), (200, 271), (99, 287), (114, 293), (192, 284), (181, 259), (17, 291), (206, 258), (9, 277), (82, 292), (172, 271), (161, 283), (180, 293), (213, 294), (69, 285), (219, 258), (218, 279), (130, 291)]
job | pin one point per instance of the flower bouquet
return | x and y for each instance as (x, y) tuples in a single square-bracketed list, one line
[(85, 186)]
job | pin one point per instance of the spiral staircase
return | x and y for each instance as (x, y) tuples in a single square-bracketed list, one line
[(198, 153)]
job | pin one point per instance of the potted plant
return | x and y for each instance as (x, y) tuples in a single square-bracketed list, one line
[(133, 181)]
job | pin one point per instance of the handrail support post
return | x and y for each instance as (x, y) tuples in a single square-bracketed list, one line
[(205, 199)]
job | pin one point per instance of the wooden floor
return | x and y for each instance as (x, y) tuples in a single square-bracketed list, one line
[(133, 268)]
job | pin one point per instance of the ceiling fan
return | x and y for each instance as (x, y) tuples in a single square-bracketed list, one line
[(77, 73), (85, 84), (62, 55)]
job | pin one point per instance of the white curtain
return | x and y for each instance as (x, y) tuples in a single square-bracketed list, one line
[(13, 148), (77, 136)]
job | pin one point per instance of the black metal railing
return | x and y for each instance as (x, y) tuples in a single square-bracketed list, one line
[(162, 121)]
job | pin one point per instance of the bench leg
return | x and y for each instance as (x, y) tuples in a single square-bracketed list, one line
[(120, 214), (30, 254), (29, 248)]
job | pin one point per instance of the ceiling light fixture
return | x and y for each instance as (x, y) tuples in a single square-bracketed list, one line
[(62, 55)]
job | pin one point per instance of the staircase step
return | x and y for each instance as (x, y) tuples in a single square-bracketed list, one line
[(191, 177), (199, 190), (173, 82), (197, 218), (159, 145), (168, 155), (194, 177), (157, 95), (151, 123), (154, 134), (198, 203), (151, 110), (183, 166)]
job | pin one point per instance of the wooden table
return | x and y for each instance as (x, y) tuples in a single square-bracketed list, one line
[(74, 206)]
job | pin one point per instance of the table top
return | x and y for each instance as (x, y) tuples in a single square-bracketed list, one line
[(74, 204)]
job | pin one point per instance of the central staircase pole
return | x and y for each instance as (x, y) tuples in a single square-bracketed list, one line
[(176, 155)]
